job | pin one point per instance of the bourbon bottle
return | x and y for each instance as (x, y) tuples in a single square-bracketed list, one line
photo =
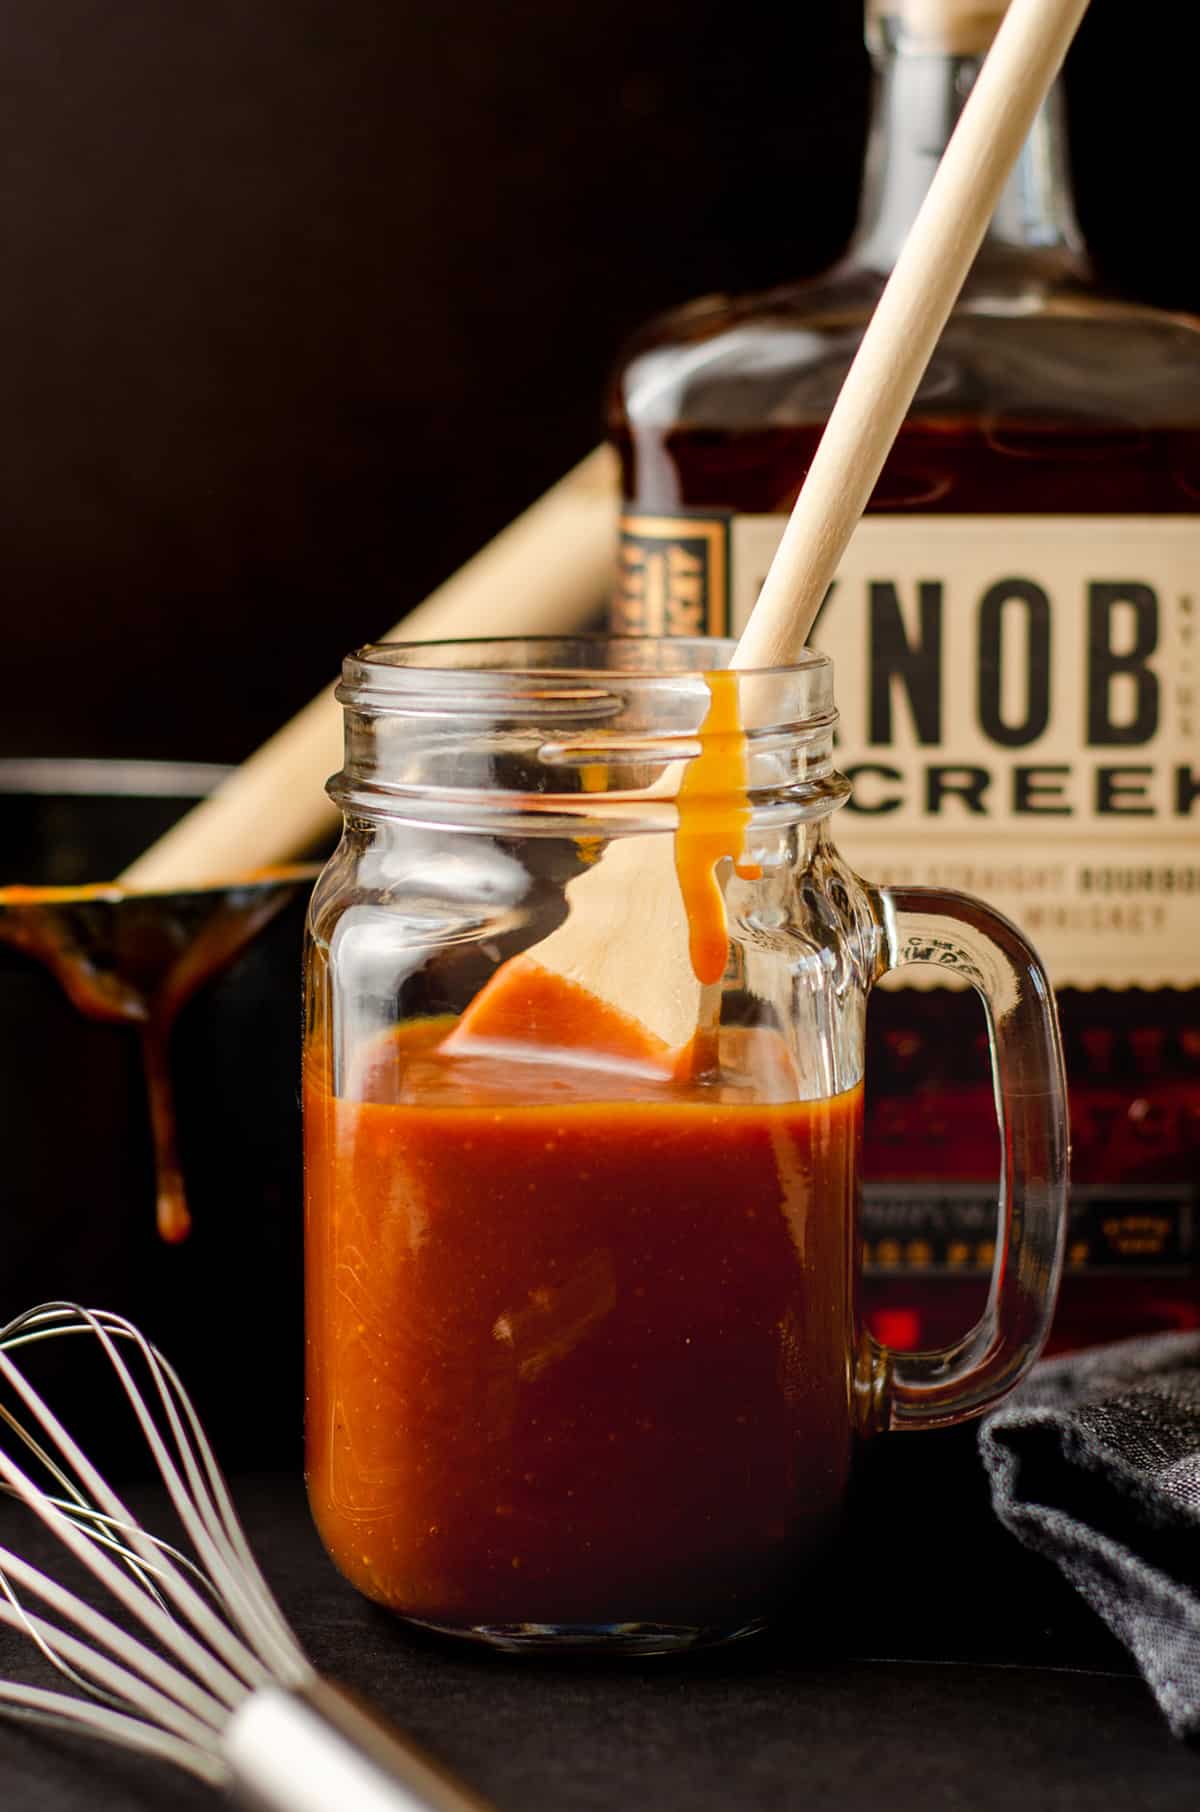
[(1016, 632)]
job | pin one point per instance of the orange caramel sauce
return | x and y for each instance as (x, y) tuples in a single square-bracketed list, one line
[(579, 1338), (714, 814)]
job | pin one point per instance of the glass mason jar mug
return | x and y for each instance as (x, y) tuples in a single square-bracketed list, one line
[(584, 1361)]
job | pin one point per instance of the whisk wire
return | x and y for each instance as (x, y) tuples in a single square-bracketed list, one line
[(58, 1711), (228, 1683), (185, 1712), (154, 1668), (44, 1457), (106, 1531), (103, 1530), (208, 1514), (18, 1617)]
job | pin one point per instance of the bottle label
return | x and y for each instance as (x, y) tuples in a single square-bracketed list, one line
[(673, 574), (931, 1228), (1020, 712)]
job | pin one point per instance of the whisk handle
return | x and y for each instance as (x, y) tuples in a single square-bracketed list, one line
[(316, 1748)]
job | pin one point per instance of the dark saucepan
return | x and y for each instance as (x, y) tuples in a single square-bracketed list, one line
[(78, 1203)]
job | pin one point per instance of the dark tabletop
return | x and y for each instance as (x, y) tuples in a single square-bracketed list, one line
[(957, 1671)]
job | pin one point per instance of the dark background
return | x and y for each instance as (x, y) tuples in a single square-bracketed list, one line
[(302, 299)]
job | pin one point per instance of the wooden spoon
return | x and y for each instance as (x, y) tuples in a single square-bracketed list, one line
[(545, 574), (649, 997)]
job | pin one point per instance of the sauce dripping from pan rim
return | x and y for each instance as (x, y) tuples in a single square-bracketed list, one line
[(136, 959)]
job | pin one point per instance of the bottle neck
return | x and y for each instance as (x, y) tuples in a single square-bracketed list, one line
[(919, 97)]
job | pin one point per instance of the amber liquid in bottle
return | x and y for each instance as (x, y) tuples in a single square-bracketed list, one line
[(1057, 414)]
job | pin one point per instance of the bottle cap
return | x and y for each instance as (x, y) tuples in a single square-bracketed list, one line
[(960, 28)]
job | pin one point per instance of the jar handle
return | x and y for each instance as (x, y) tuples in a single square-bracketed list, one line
[(962, 936)]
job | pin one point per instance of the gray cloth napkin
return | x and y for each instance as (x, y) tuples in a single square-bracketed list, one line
[(1095, 1463)]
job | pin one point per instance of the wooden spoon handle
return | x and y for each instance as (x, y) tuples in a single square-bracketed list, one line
[(545, 574), (907, 323)]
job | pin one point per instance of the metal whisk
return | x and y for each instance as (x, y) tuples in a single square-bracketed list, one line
[(217, 1683)]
